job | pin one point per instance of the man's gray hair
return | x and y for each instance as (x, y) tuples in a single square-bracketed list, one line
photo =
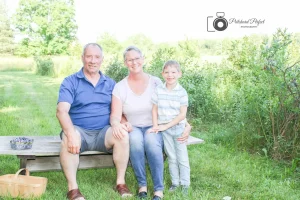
[(91, 44)]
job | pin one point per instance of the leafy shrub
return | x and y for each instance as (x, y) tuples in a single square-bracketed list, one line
[(116, 70), (284, 108), (44, 66), (264, 97), (159, 57), (197, 81), (243, 53)]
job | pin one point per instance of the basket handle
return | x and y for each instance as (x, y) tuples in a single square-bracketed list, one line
[(18, 172)]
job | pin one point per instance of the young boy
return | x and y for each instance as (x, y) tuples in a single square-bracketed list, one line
[(170, 102)]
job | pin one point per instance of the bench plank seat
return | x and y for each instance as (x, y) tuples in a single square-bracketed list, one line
[(44, 154), (42, 146)]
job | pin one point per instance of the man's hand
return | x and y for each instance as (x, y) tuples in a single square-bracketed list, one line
[(74, 143), (186, 133)]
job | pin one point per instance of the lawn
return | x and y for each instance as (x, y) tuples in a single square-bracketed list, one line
[(27, 107)]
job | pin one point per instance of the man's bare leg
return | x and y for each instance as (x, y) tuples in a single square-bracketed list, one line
[(69, 163), (120, 153)]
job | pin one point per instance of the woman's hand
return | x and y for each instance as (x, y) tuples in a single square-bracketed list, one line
[(186, 133), (118, 130), (128, 126)]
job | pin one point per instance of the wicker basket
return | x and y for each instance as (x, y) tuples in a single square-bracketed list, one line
[(15, 185)]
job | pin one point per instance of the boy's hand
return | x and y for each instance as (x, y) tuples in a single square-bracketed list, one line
[(162, 127), (154, 129)]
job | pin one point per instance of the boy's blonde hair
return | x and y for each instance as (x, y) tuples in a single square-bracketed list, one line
[(172, 63)]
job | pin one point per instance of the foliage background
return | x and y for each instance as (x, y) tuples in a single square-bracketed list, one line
[(249, 85)]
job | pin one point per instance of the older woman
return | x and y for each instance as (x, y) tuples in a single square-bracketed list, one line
[(132, 100)]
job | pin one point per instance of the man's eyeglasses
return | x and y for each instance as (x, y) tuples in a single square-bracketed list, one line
[(132, 60)]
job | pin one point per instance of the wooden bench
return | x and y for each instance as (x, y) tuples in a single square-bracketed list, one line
[(44, 154)]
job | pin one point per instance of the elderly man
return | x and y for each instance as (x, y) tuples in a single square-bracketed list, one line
[(83, 111)]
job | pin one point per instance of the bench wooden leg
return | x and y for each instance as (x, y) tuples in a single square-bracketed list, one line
[(23, 161)]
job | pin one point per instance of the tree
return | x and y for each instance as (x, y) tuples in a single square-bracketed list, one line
[(110, 44), (190, 48), (6, 33), (141, 41), (48, 27)]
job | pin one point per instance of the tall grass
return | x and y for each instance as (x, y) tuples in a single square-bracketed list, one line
[(14, 63), (27, 107), (66, 65), (62, 65)]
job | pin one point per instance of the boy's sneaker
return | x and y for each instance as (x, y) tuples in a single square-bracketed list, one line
[(185, 189), (173, 188)]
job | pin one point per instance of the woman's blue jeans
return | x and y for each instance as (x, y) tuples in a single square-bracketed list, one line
[(147, 145)]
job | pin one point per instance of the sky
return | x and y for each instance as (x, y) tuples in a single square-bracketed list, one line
[(174, 20)]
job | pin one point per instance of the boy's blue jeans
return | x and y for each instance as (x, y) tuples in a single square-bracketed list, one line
[(147, 145), (177, 153)]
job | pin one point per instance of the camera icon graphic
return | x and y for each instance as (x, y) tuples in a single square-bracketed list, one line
[(219, 23)]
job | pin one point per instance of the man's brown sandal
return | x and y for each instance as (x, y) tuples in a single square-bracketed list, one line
[(123, 190), (74, 194)]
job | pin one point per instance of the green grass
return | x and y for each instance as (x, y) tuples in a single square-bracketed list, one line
[(27, 107)]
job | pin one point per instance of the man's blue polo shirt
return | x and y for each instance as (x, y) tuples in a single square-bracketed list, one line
[(90, 106)]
